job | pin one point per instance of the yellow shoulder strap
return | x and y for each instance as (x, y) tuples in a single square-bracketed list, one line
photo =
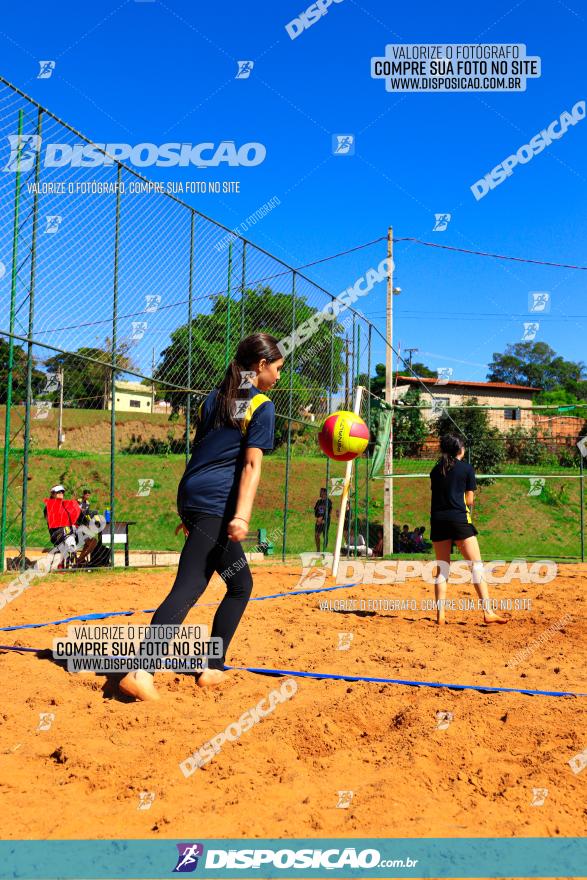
[(252, 408)]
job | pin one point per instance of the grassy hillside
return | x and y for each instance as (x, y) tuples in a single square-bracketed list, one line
[(511, 522), (88, 430)]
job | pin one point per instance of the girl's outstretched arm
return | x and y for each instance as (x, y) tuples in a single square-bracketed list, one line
[(250, 476)]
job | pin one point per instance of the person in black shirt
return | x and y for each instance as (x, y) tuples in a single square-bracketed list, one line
[(322, 519), (235, 426), (453, 484), (404, 539), (84, 519), (84, 504)]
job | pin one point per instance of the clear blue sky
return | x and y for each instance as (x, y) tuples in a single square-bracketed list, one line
[(165, 71)]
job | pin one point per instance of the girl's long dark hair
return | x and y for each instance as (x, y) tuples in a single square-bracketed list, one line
[(250, 351), (450, 446)]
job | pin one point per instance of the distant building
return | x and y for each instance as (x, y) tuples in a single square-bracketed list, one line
[(132, 397), (513, 402)]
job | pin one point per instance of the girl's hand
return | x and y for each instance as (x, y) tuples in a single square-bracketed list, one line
[(179, 529), (237, 529)]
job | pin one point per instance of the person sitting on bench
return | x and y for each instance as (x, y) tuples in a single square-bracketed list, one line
[(62, 516)]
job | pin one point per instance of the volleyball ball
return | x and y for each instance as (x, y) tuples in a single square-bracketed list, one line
[(344, 436)]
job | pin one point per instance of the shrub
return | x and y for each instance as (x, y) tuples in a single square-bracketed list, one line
[(568, 456), (154, 446), (526, 447), (409, 428)]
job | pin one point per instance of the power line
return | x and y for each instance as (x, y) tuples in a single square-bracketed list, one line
[(450, 316), (359, 247), (447, 247)]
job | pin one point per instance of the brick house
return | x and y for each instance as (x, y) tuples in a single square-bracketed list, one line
[(512, 408), (513, 402)]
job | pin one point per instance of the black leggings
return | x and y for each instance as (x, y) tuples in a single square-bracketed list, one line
[(206, 550)]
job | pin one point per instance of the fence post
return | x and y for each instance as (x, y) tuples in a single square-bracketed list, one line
[(188, 408), (243, 289), (3, 517), (348, 476), (358, 355), (582, 506), (227, 345), (368, 459), (389, 466), (346, 371), (350, 404), (289, 413), (113, 366), (29, 365), (330, 383)]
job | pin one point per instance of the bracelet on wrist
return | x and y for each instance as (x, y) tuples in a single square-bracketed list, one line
[(242, 519)]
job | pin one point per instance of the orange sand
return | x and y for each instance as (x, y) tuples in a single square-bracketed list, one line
[(82, 777)]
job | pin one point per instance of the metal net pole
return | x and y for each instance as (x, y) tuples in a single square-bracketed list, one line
[(289, 413), (188, 409), (113, 368), (3, 520), (29, 372)]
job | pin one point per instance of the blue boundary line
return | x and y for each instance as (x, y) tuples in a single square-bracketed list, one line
[(258, 670), (102, 615), (432, 684), (299, 674)]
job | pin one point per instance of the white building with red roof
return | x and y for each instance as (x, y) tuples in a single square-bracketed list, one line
[(510, 404)]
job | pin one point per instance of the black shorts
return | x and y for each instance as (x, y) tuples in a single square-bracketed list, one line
[(446, 530), (58, 535)]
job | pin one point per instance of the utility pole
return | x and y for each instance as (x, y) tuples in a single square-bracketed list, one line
[(153, 383), (388, 481), (60, 435), (346, 373), (410, 352)]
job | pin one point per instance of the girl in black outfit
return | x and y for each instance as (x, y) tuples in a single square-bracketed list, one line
[(215, 498), (453, 485)]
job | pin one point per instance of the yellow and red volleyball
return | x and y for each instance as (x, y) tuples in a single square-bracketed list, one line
[(344, 436)]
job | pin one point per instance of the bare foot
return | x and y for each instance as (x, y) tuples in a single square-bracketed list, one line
[(210, 678), (440, 619), (491, 617), (139, 685)]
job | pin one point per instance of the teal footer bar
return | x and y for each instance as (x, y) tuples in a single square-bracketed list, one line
[(348, 857)]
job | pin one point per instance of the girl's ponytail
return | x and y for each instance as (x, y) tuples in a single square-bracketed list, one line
[(227, 395)]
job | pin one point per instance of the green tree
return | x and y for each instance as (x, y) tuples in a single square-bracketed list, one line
[(558, 397), (86, 383), (377, 384), (19, 374), (213, 339), (562, 401), (423, 371), (409, 428), (485, 444), (537, 364)]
